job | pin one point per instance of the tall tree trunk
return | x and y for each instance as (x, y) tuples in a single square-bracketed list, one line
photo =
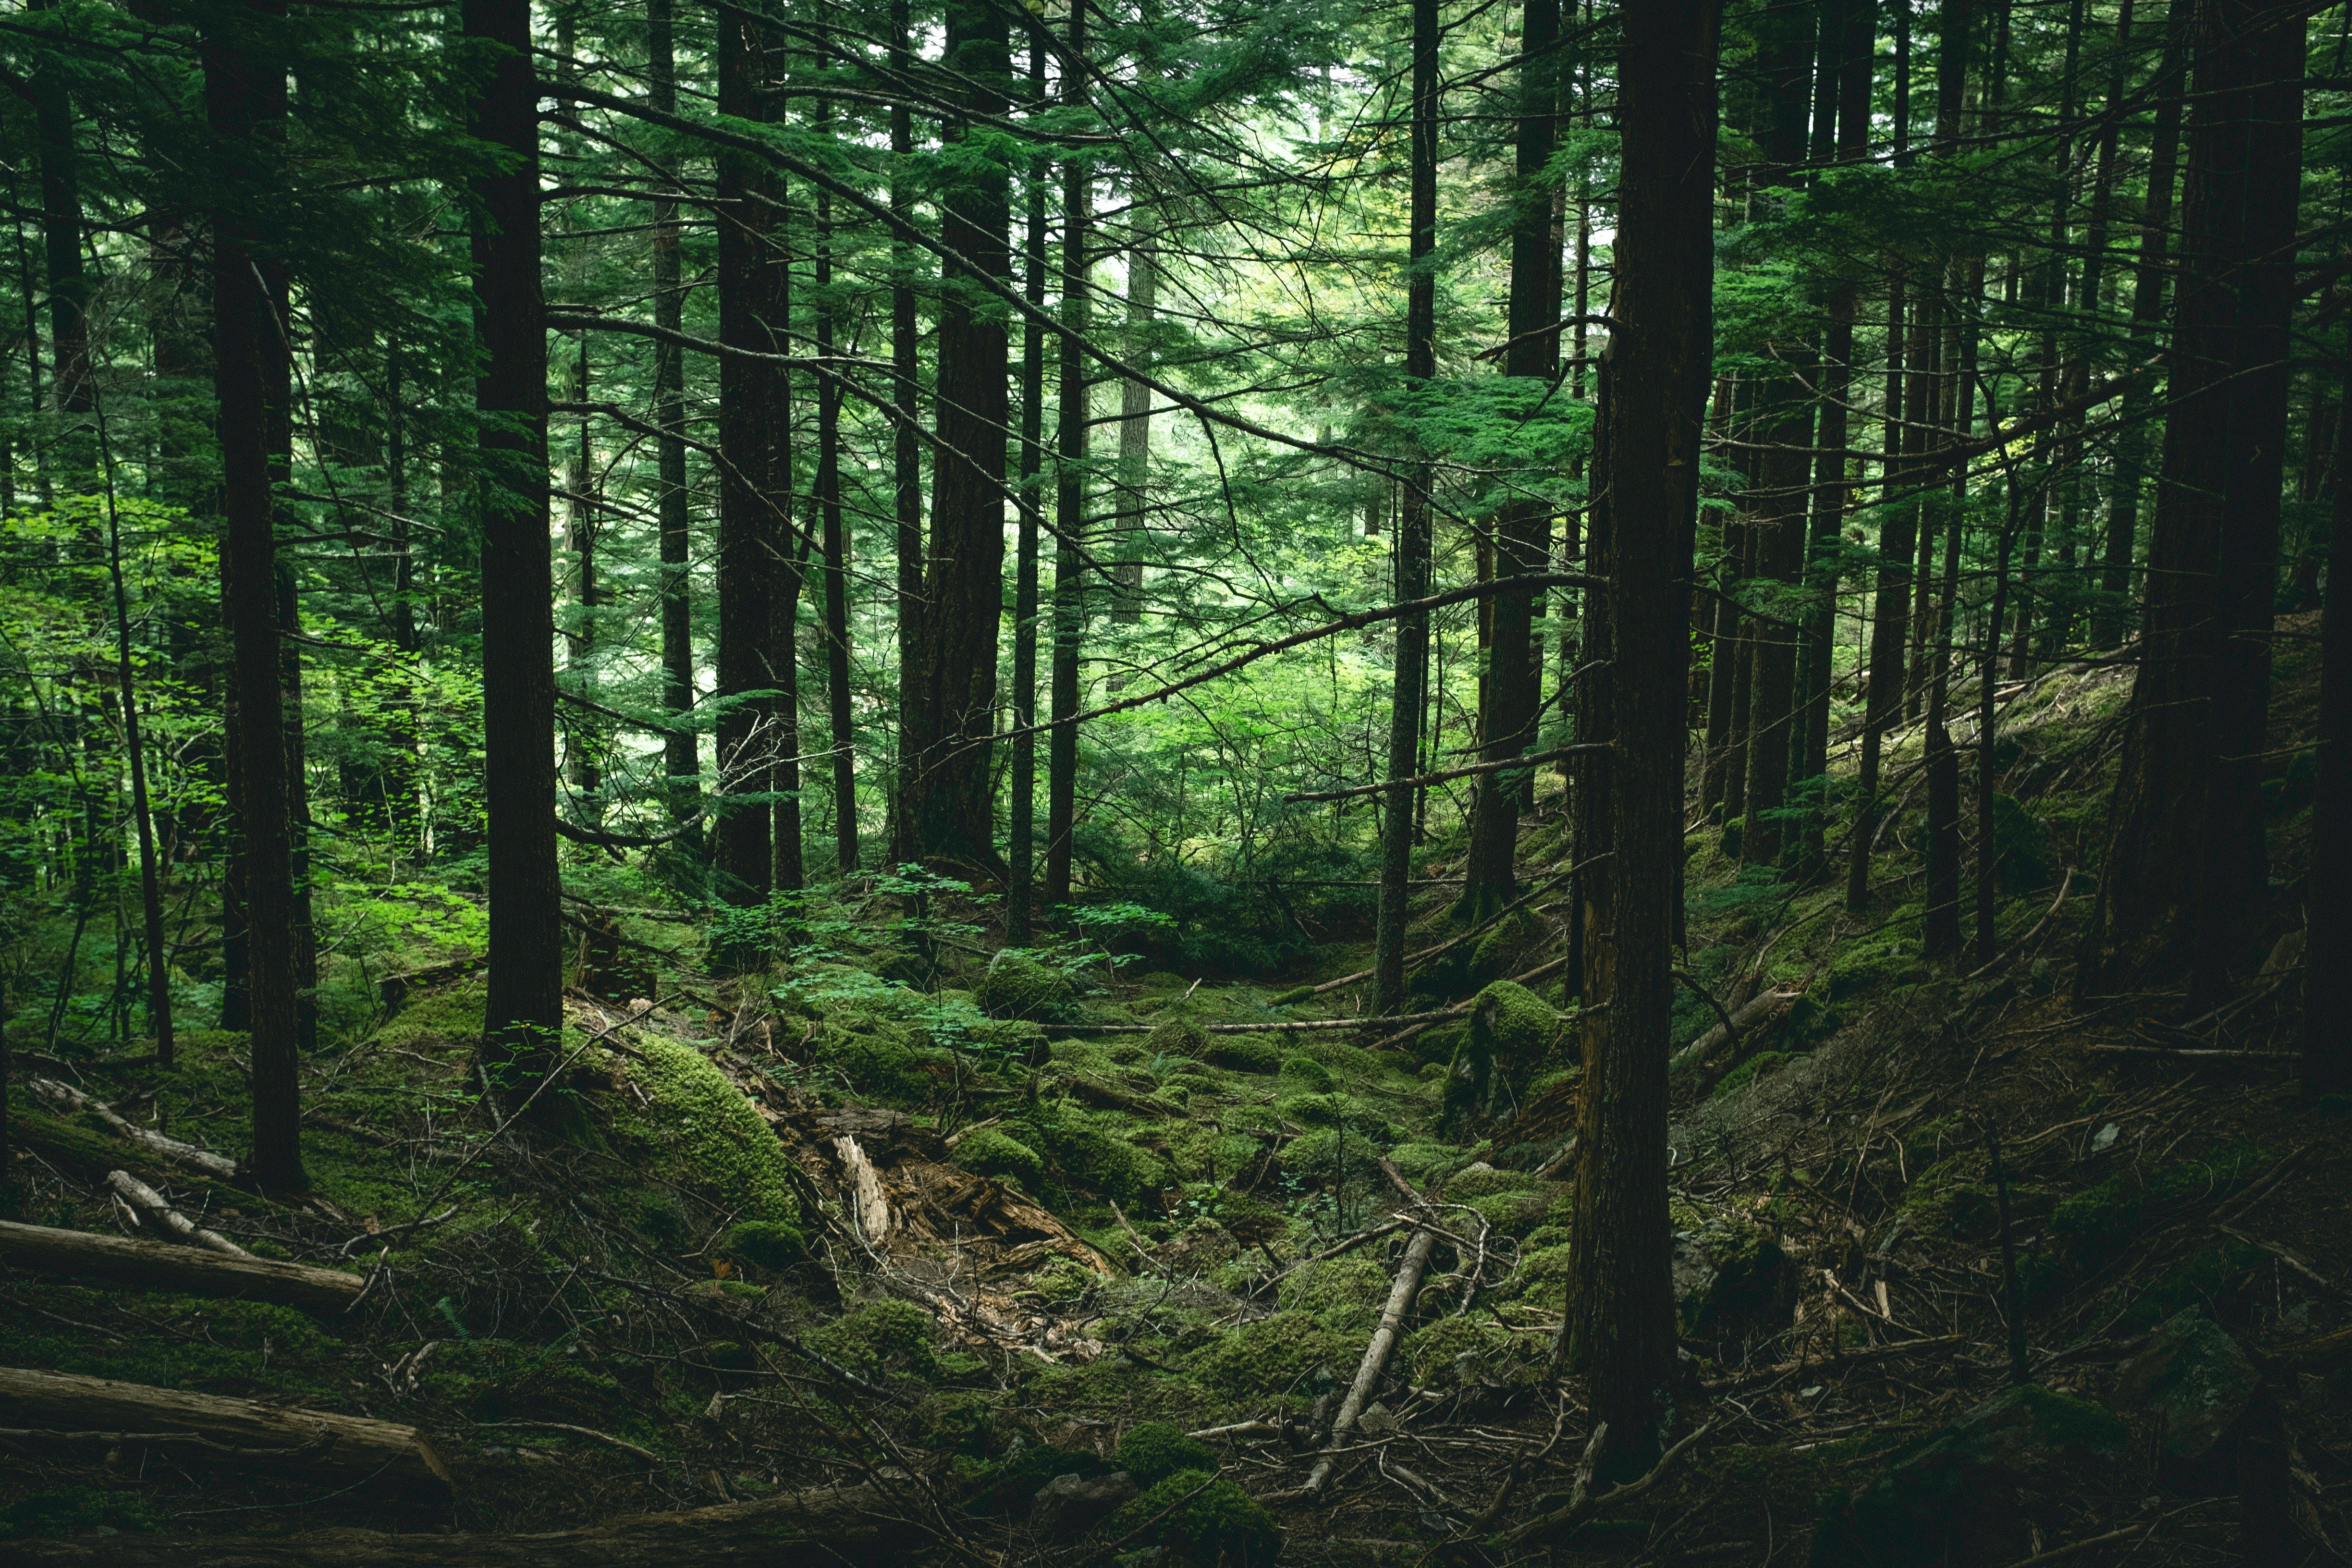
[(2186, 874), (1412, 544), (681, 751), (907, 451), (952, 733), (1021, 817), (751, 531), (1889, 615), (836, 545), (1523, 525), (2137, 416), (69, 284), (150, 882), (2328, 887), (1620, 1311), (1073, 414), (298, 754), (1129, 521), (525, 1014), (245, 106)]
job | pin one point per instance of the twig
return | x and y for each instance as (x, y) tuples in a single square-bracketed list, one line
[(604, 1438), (1578, 1507)]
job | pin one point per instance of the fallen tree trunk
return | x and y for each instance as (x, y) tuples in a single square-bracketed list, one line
[(1383, 1340), (144, 1199), (1295, 1027), (55, 1401), (155, 1143), (157, 1266), (861, 1519)]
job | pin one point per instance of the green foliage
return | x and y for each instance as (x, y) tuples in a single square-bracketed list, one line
[(1345, 1293), (1153, 1450), (1018, 987), (1305, 1075), (957, 1422), (74, 1510)]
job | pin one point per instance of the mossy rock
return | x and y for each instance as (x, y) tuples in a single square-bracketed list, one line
[(1423, 1161), (1513, 944), (1345, 1292), (1518, 1024), (882, 1336), (1178, 1037), (883, 1062), (705, 1132), (1280, 1354), (1733, 1285), (991, 1151), (1018, 987), (1154, 1450), (1305, 1075), (764, 1243), (1207, 1520), (1360, 1120), (957, 1422), (1092, 1158), (1244, 1053), (1009, 1487), (2195, 1384), (1332, 1157)]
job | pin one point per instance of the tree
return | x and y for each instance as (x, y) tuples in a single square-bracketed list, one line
[(245, 106), (2190, 771), (1621, 1312), (950, 727), (524, 1015)]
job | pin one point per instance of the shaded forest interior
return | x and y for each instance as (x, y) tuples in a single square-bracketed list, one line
[(1176, 783)]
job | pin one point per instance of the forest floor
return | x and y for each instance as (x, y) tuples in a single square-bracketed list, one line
[(975, 1240)]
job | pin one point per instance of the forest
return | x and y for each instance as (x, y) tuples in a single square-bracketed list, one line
[(1176, 784)]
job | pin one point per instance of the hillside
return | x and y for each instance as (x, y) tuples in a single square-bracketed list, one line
[(964, 1236)]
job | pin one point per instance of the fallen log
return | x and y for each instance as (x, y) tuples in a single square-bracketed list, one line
[(1750, 1017), (861, 1519), (1295, 1026), (144, 1199), (1383, 1340), (157, 1266), (310, 1439), (147, 1138)]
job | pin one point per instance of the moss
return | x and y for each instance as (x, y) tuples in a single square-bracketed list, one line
[(706, 1132), (959, 1423), (216, 1346), (882, 1061), (991, 1153), (764, 1243), (1154, 1450), (1476, 1183), (1330, 1157), (1344, 1293), (2095, 1225), (1509, 946), (1009, 1487), (1336, 1111), (882, 1336), (1017, 1038), (1177, 1036), (1422, 1161), (1276, 1355), (1763, 1064), (70, 1511), (2208, 1274), (1207, 1520), (1518, 1024), (1244, 1053), (444, 1018), (1085, 1154), (1432, 1352), (1018, 987), (1305, 1075)]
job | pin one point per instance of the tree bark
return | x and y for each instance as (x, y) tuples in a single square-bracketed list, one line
[(2186, 875), (1897, 538), (907, 452), (681, 751), (840, 717), (1412, 544), (1021, 814), (2327, 887), (752, 533), (1072, 416), (525, 1014), (1523, 525), (1621, 1316), (245, 106), (954, 723)]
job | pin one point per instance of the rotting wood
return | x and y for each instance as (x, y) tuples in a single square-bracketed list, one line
[(1288, 1026), (159, 1266), (863, 1519), (146, 1138), (146, 1200), (69, 1403)]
